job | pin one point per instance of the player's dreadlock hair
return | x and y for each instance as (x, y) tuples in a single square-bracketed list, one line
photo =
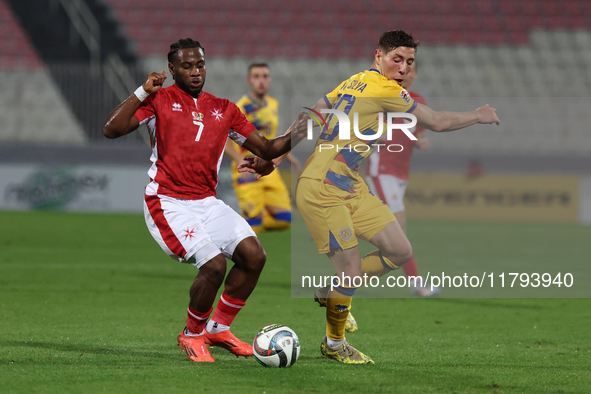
[(183, 43), (396, 38)]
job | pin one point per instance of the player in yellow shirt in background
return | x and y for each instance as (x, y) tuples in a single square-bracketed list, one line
[(264, 202)]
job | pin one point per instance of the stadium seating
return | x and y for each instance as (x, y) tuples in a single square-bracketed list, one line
[(317, 29), (31, 107), (508, 49), (15, 49)]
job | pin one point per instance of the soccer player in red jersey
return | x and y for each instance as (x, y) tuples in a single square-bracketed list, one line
[(387, 176), (188, 132)]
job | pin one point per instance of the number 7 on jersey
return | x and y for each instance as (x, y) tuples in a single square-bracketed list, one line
[(200, 124)]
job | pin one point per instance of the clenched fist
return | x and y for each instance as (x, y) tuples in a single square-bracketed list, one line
[(154, 82), (487, 115)]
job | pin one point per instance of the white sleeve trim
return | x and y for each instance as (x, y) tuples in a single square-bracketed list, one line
[(237, 138), (147, 120)]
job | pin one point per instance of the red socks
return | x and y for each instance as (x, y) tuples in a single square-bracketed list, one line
[(196, 320), (410, 268), (227, 309), (224, 315)]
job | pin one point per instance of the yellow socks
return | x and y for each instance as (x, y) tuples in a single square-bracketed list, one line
[(338, 301), (338, 304), (375, 264)]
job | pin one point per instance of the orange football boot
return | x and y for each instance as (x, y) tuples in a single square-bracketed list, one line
[(195, 348), (228, 341)]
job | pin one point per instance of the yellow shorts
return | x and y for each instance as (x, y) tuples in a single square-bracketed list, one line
[(254, 195), (335, 218)]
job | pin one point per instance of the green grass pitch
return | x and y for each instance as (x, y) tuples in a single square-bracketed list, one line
[(89, 303)]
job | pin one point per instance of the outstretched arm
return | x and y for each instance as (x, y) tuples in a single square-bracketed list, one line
[(278, 146), (121, 120), (263, 165), (447, 121)]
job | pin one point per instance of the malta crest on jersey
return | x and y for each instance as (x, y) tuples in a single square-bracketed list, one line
[(405, 96), (197, 116)]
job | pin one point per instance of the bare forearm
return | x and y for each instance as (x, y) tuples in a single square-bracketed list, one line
[(294, 135), (449, 121), (277, 147), (119, 119)]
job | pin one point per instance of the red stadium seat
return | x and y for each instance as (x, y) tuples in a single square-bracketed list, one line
[(530, 7), (318, 29), (444, 7), (15, 48), (483, 7), (518, 37)]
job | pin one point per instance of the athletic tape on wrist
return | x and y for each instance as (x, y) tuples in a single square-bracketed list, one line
[(141, 94)]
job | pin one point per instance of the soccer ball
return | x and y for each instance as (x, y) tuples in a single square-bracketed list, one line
[(276, 346)]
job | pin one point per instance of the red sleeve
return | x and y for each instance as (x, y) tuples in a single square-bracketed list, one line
[(239, 122), (419, 99), (146, 109)]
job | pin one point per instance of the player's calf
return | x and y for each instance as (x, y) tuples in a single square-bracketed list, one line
[(206, 284), (249, 260)]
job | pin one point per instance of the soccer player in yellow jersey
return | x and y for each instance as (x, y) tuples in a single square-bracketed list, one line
[(333, 198), (264, 202)]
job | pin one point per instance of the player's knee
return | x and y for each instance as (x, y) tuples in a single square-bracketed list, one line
[(400, 256), (257, 257), (250, 255), (214, 270), (259, 260), (405, 258)]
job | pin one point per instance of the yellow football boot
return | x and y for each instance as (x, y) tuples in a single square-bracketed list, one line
[(344, 353)]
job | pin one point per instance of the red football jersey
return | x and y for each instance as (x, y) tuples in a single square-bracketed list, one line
[(395, 163), (188, 136)]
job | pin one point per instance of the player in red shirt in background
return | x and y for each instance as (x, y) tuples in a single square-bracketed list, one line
[(188, 132), (387, 176)]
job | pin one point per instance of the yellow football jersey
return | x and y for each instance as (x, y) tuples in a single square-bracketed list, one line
[(336, 161), (264, 116)]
